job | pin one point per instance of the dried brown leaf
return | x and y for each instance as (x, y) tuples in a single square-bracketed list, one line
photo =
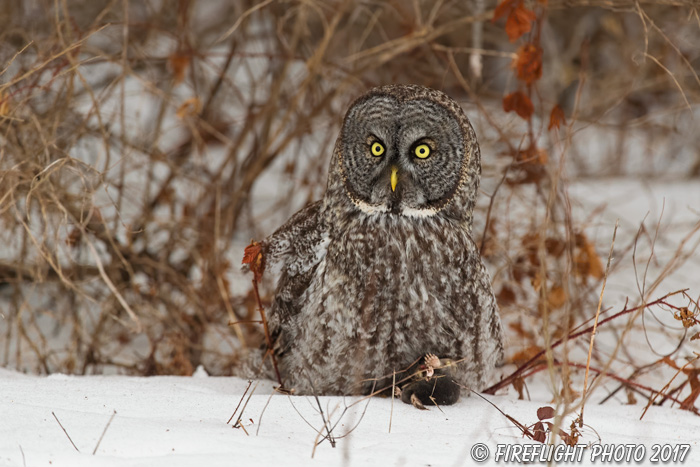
[(545, 413), (525, 355), (587, 261), (519, 103), (519, 21), (178, 63), (503, 9), (254, 258), (689, 402), (685, 316), (519, 386), (539, 433), (556, 297), (528, 63), (556, 118), (191, 106), (505, 297)]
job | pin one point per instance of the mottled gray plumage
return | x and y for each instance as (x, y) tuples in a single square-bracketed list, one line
[(372, 279)]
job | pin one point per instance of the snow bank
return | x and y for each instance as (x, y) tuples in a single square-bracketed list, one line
[(178, 421)]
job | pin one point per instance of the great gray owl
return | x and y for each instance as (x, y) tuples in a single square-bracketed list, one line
[(383, 270)]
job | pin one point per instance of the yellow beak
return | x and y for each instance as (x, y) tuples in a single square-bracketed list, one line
[(394, 178)]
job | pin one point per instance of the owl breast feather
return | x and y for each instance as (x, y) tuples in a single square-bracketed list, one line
[(359, 300)]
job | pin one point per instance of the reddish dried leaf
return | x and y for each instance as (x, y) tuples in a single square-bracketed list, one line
[(74, 237), (685, 316), (519, 386), (530, 168), (519, 19), (695, 336), (505, 297), (528, 63), (587, 261), (568, 440), (556, 118), (191, 106), (491, 247), (667, 360), (519, 103), (520, 331), (166, 196), (530, 241), (178, 64), (503, 9), (254, 258), (554, 246), (525, 355), (556, 297), (519, 22), (533, 156), (545, 413), (689, 402), (574, 434), (568, 393), (539, 433), (251, 252)]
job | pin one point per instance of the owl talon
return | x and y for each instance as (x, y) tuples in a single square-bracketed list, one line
[(432, 361)]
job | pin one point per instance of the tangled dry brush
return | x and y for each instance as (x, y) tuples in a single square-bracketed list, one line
[(144, 143)]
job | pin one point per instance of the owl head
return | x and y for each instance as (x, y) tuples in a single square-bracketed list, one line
[(407, 150)]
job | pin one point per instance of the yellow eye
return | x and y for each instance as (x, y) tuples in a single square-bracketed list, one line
[(422, 151), (377, 149)]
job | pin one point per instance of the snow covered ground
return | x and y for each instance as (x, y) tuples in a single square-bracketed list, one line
[(182, 421)]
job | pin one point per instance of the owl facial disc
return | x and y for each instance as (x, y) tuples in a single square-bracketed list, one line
[(402, 155)]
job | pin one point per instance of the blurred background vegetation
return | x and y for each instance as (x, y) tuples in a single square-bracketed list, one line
[(144, 143)]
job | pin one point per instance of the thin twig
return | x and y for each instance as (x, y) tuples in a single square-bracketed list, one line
[(661, 392), (108, 282), (103, 432), (24, 461), (238, 22), (257, 430), (574, 334), (240, 417), (64, 430), (326, 424), (393, 392), (268, 339), (595, 323), (607, 374), (301, 415), (524, 430), (362, 416), (240, 401)]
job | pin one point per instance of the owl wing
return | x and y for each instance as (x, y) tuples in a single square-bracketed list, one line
[(296, 248), (490, 320), (480, 329)]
